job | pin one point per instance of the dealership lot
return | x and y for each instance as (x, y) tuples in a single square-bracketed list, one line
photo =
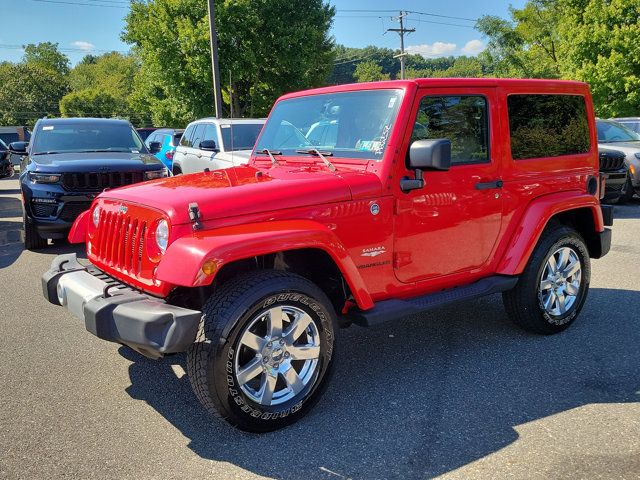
[(459, 392)]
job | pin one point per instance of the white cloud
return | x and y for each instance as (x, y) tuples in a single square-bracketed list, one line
[(473, 47), (436, 49), (84, 46)]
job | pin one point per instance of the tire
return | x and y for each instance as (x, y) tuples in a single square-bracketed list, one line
[(525, 303), (627, 191), (32, 239), (176, 170), (239, 314)]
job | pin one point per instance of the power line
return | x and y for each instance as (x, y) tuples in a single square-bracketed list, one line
[(442, 16), (81, 3)]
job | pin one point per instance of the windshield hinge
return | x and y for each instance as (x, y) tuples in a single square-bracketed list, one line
[(195, 216)]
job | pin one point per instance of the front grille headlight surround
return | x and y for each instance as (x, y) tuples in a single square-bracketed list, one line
[(44, 177)]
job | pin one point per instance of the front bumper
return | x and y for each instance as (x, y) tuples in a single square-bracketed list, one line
[(116, 313), (614, 183)]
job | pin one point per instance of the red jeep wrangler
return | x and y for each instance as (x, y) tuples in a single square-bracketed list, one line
[(361, 204)]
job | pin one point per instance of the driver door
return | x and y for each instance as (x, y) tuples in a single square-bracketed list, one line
[(451, 225)]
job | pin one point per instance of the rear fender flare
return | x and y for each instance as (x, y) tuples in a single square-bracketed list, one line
[(534, 221), (182, 263)]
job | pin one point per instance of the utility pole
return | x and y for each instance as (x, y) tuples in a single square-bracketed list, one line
[(401, 31), (215, 70)]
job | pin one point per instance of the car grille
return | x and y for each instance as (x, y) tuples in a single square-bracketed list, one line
[(44, 209), (120, 242), (100, 181), (611, 161), (71, 210)]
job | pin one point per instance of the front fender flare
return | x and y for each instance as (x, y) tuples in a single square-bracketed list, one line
[(78, 232), (182, 263), (534, 221)]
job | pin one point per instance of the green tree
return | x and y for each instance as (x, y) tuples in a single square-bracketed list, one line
[(266, 47), (46, 55), (92, 103), (29, 91), (600, 45), (369, 71), (525, 46)]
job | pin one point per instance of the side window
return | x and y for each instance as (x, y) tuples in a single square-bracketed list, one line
[(198, 135), (461, 119), (547, 125), (185, 141), (211, 133)]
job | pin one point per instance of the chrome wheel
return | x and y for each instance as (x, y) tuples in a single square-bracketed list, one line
[(277, 356), (560, 281)]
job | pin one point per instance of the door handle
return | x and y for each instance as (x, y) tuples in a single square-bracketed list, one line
[(489, 185)]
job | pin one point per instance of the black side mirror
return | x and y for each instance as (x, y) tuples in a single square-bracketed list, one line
[(155, 147), (426, 155), (209, 146), (18, 147)]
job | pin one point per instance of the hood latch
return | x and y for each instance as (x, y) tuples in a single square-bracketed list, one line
[(195, 216)]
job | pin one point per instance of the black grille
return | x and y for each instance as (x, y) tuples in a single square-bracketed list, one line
[(44, 209), (611, 161), (71, 210), (100, 181)]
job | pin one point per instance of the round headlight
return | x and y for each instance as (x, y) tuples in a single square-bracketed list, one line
[(96, 216), (162, 235)]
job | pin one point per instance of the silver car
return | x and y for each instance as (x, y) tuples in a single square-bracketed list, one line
[(215, 143), (614, 135), (632, 123)]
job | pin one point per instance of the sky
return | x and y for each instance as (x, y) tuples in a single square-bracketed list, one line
[(94, 26)]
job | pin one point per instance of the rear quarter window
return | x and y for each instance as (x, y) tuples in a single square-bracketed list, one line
[(547, 125)]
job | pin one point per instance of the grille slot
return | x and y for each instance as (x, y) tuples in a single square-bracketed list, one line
[(71, 210), (44, 209), (610, 161), (99, 181)]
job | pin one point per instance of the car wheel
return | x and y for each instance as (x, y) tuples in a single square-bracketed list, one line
[(264, 351), (177, 170), (32, 239), (553, 287)]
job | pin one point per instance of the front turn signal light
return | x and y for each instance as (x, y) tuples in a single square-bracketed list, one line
[(209, 267)]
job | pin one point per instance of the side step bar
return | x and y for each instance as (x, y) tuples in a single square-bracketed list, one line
[(387, 310)]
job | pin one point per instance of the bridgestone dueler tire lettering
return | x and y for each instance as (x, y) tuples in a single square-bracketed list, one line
[(225, 314), (522, 302)]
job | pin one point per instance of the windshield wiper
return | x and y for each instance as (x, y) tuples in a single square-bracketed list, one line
[(322, 155), (46, 153), (271, 154)]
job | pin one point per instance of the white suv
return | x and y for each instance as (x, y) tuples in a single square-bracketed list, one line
[(216, 143)]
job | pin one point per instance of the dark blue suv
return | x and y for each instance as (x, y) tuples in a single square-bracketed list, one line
[(68, 162)]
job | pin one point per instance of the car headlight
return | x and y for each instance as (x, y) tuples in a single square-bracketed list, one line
[(96, 216), (151, 174), (44, 177), (162, 235)]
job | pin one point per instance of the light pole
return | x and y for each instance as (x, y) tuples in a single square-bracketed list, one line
[(215, 70)]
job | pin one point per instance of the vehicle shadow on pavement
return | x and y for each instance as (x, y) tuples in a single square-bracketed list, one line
[(630, 209), (424, 396)]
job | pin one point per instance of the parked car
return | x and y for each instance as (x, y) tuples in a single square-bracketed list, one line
[(614, 173), (14, 134), (71, 160), (433, 191), (6, 167), (163, 142), (145, 132), (632, 123), (614, 135), (214, 144)]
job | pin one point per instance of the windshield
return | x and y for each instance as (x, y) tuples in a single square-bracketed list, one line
[(346, 125), (87, 137), (611, 132), (244, 135)]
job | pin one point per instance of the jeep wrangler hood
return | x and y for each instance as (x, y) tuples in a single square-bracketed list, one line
[(246, 189)]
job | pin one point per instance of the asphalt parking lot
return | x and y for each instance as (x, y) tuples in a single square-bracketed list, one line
[(459, 392)]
